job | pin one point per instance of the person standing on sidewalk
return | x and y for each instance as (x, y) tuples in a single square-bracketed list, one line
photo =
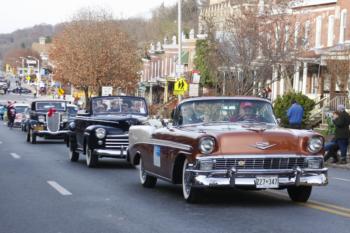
[(341, 120), (11, 114), (295, 115)]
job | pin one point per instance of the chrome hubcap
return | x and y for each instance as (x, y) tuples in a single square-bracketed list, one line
[(142, 172), (185, 184)]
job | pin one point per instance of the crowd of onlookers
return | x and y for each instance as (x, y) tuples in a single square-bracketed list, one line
[(339, 120)]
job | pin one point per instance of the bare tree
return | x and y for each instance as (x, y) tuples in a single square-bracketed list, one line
[(14, 56), (254, 41), (339, 71), (91, 51)]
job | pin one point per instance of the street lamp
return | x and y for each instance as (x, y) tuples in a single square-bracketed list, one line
[(22, 58), (179, 22), (223, 69), (38, 62), (38, 75)]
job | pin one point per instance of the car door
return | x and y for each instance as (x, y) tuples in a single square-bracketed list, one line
[(161, 152)]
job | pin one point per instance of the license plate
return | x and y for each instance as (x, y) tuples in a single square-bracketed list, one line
[(265, 182), (39, 128)]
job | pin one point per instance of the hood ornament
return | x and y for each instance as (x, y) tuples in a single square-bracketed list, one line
[(263, 145)]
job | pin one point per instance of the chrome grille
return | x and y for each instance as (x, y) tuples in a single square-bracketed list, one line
[(118, 142), (259, 163), (53, 122)]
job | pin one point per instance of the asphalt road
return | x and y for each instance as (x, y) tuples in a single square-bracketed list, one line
[(42, 192)]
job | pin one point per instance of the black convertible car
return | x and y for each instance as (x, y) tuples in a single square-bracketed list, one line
[(103, 131)]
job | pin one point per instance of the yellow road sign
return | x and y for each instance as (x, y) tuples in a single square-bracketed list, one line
[(180, 87), (60, 91)]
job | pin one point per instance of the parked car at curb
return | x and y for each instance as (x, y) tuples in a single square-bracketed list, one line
[(103, 131), (48, 119), (20, 90), (219, 142)]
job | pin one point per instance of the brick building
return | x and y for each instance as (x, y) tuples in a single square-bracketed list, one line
[(159, 68), (325, 31)]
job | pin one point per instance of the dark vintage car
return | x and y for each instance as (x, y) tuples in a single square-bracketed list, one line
[(48, 119), (228, 142), (20, 90), (104, 130)]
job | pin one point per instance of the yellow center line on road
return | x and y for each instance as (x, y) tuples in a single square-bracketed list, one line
[(325, 207)]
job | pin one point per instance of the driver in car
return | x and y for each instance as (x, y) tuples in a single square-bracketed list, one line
[(189, 115), (247, 113)]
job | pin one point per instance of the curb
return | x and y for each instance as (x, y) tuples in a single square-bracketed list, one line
[(342, 166)]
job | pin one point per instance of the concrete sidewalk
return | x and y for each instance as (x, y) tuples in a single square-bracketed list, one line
[(337, 165)]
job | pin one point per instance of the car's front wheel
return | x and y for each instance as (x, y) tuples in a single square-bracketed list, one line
[(31, 137), (91, 157), (190, 193), (300, 193), (146, 180), (73, 155)]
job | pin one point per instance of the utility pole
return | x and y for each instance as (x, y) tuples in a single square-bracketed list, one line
[(179, 22)]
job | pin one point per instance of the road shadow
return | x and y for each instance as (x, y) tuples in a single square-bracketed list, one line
[(226, 197), (107, 164), (49, 141)]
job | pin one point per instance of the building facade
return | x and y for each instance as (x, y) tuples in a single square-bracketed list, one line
[(323, 26), (159, 68)]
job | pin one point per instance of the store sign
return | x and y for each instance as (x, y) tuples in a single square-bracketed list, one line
[(107, 91), (194, 90)]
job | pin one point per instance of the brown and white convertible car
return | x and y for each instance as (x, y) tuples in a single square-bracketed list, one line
[(228, 142)]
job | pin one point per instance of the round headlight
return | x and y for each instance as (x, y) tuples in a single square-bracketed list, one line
[(41, 119), (100, 133), (64, 118), (71, 126), (206, 145), (315, 144)]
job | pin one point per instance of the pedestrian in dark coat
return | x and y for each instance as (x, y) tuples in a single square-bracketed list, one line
[(11, 114), (341, 120)]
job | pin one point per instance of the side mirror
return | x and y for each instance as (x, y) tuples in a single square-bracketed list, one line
[(279, 121), (164, 124)]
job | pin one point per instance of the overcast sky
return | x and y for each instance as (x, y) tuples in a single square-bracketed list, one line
[(19, 14)]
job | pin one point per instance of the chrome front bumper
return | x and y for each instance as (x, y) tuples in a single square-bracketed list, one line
[(119, 154), (46, 132), (247, 178)]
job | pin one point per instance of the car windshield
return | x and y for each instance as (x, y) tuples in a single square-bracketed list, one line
[(225, 111), (20, 109), (119, 105), (45, 106)]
